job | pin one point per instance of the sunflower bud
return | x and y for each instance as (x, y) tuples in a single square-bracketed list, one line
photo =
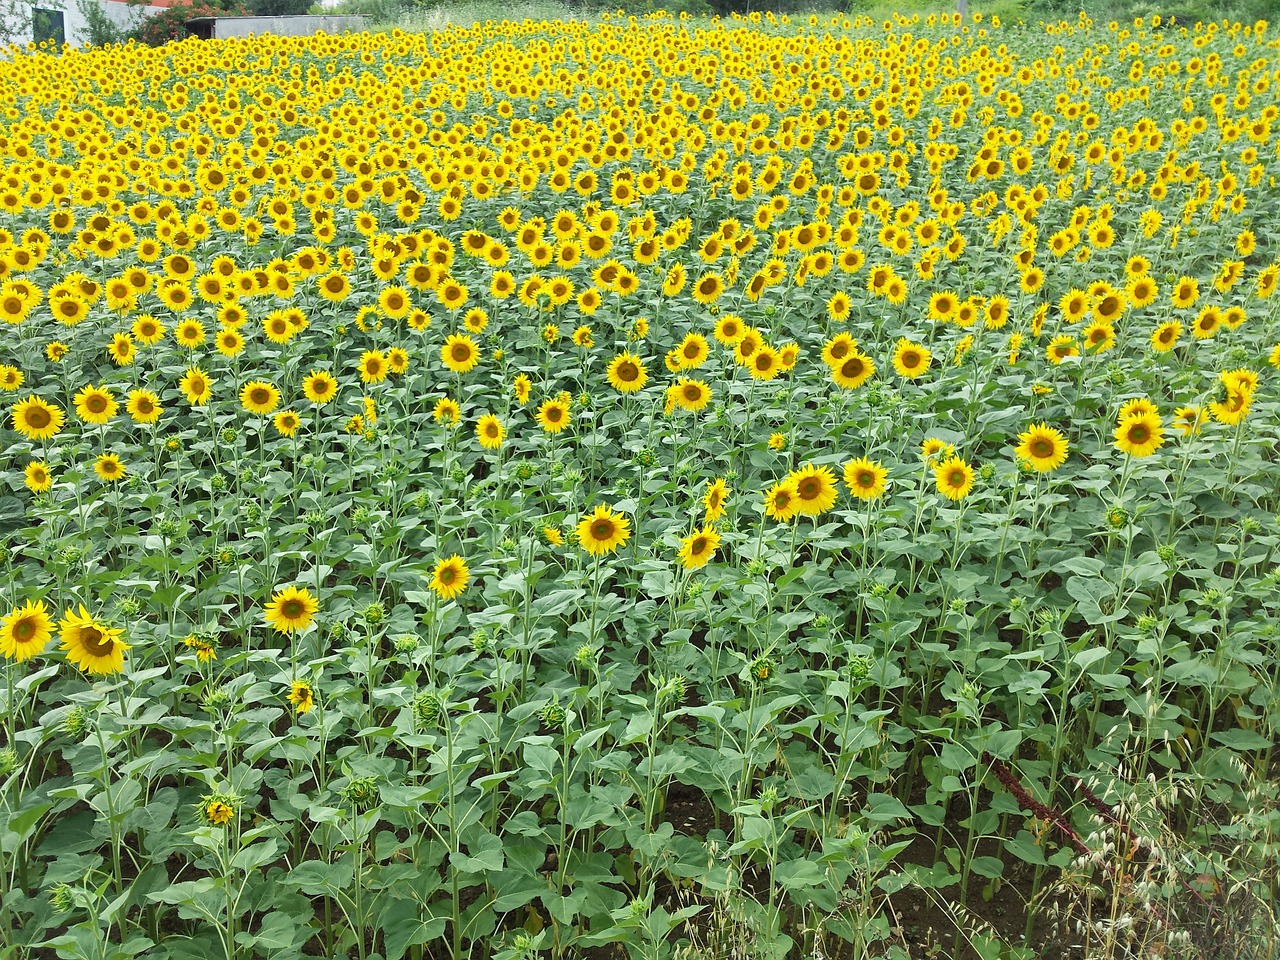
[(218, 809), (427, 708), (77, 722), (62, 898), (762, 670), (374, 614), (553, 716), (8, 761), (362, 792), (405, 644)]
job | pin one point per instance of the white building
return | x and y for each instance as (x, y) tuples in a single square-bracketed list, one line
[(22, 21)]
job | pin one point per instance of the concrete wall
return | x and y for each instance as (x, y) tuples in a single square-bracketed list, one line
[(286, 26)]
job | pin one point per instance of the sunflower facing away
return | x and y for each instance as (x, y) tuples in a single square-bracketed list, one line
[(25, 631), (292, 610), (603, 531), (1043, 447), (92, 646), (450, 577)]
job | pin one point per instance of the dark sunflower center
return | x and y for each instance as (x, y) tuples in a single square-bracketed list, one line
[(866, 479), (809, 488), (24, 630), (96, 403), (911, 359), (1041, 448), (95, 642), (852, 368), (627, 372), (292, 609), (144, 406), (554, 413), (259, 396), (448, 575), (693, 394), (698, 545), (602, 530), (461, 352), (38, 417), (1139, 433), (334, 284)]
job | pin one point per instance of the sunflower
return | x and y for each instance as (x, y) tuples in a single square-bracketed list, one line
[(1233, 408), (866, 479), (1060, 348), (37, 476), (911, 360), (855, 370), (521, 387), (729, 329), (692, 352), (148, 330), (1140, 435), (1165, 337), (11, 378), (603, 531), (292, 610), (197, 386), (287, 422), (189, 334), (450, 577), (37, 420), (95, 405), (1189, 419), (815, 490), (954, 478), (25, 631), (714, 500), (109, 468), (697, 549), (459, 353), (319, 387), (334, 287), (935, 447), (553, 415), (1043, 447), (144, 406), (260, 397), (490, 432), (627, 373), (691, 395), (447, 411), (91, 645), (122, 350), (301, 696), (780, 501)]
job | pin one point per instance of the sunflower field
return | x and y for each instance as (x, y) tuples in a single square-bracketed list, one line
[(643, 487)]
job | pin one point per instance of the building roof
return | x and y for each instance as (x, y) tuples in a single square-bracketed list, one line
[(151, 3)]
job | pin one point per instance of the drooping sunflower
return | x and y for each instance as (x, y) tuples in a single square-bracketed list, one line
[(459, 353), (109, 468), (319, 387), (490, 432), (714, 500), (301, 696), (697, 549), (780, 501), (1140, 435), (953, 478), (911, 360), (197, 386), (144, 406), (37, 419), (450, 576), (25, 632), (815, 489), (260, 397), (866, 479), (603, 531), (90, 644), (292, 610), (553, 414), (627, 373), (95, 405), (1043, 447)]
